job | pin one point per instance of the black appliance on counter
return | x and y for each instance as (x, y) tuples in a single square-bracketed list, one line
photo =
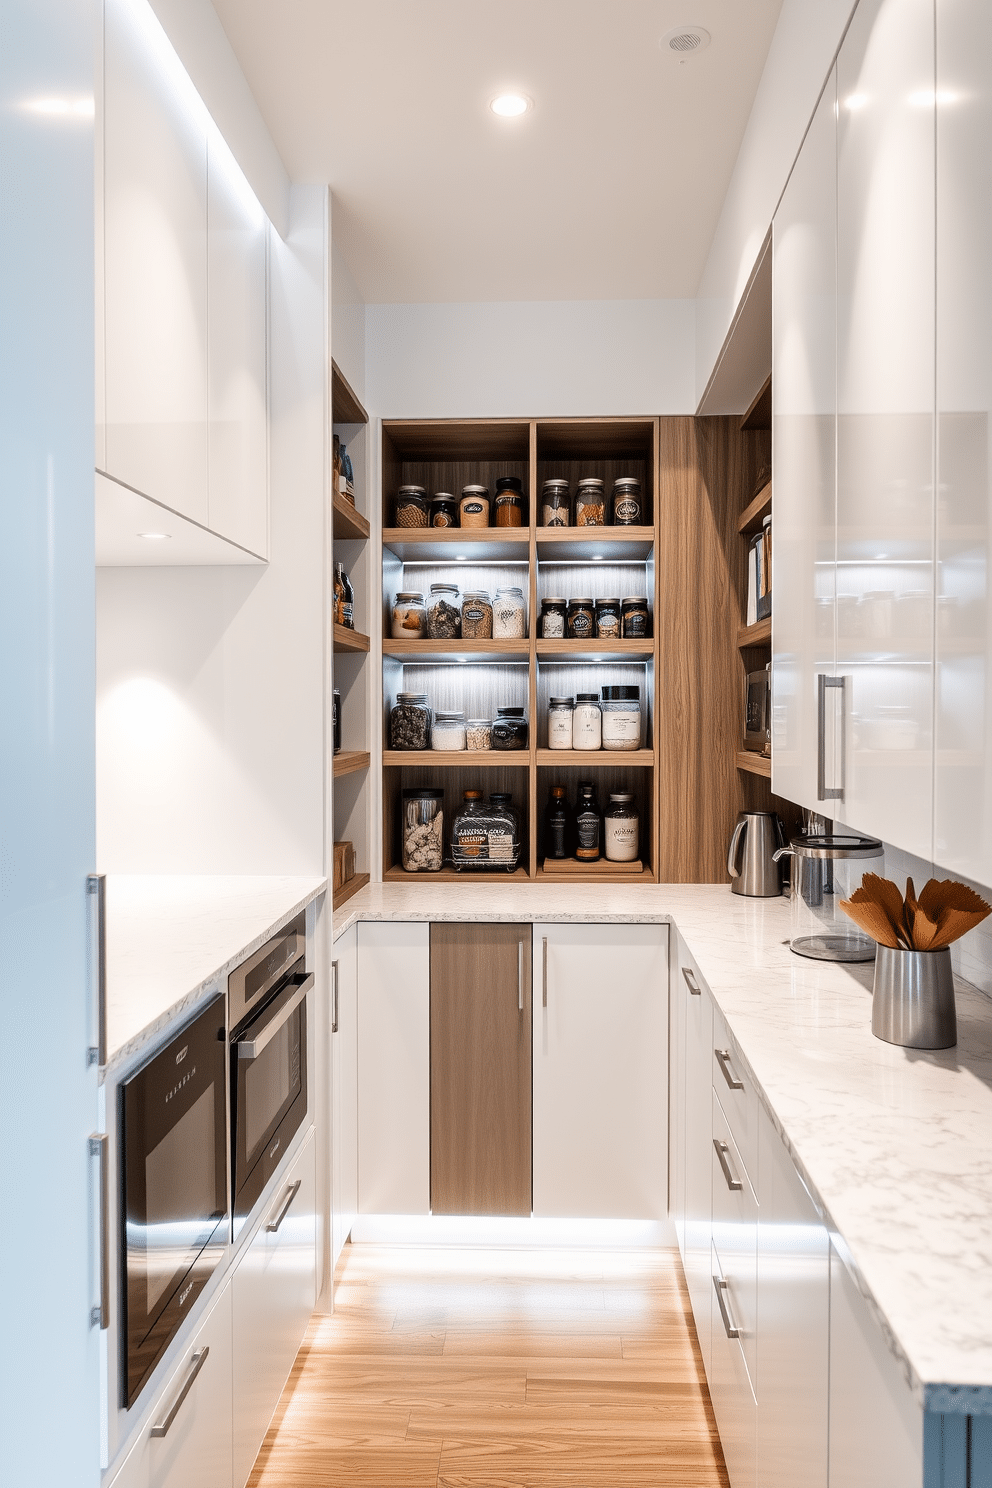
[(173, 1130), (267, 1000)]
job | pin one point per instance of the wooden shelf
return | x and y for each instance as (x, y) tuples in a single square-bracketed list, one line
[(759, 415), (349, 640), (447, 544), (579, 544), (397, 874), (462, 759), (434, 651), (349, 524), (350, 761), (759, 634), (754, 764), (755, 512), (595, 759), (597, 651), (346, 407), (569, 870), (349, 890)]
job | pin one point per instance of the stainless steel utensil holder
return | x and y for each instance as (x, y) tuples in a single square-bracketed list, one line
[(913, 1002)]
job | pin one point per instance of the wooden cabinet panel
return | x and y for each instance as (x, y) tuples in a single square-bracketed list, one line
[(480, 1069)]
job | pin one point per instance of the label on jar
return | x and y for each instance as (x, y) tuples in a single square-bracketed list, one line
[(553, 625), (442, 519), (472, 844), (635, 624), (621, 728), (608, 625), (475, 612), (560, 729), (587, 833), (554, 516), (587, 727), (500, 847), (580, 625), (620, 838), (626, 511), (473, 508)]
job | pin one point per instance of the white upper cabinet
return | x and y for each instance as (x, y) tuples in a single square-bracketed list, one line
[(885, 429), (804, 375), (963, 777), (155, 266)]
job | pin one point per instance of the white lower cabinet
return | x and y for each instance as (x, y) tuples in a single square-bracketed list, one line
[(344, 1089), (187, 1441), (730, 1386), (698, 1127), (733, 1308), (274, 1292)]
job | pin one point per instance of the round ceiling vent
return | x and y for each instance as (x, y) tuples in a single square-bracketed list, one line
[(685, 40)]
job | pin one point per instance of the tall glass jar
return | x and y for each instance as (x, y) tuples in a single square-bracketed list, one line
[(621, 717), (560, 711), (409, 617), (410, 721), (444, 616), (556, 505), (422, 830), (509, 615), (587, 722), (621, 828), (477, 615), (590, 502), (553, 619)]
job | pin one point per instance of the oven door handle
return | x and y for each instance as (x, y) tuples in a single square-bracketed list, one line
[(251, 1048)]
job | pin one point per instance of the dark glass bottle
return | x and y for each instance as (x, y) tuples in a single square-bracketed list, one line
[(344, 598), (588, 824), (556, 824)]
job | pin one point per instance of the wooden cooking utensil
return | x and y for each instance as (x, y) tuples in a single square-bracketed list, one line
[(885, 893), (871, 918)]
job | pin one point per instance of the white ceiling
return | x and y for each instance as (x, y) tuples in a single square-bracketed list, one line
[(609, 189)]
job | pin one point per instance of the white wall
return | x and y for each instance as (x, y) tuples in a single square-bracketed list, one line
[(804, 45), (347, 321), (518, 359)]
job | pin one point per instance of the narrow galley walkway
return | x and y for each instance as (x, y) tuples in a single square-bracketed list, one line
[(476, 1368)]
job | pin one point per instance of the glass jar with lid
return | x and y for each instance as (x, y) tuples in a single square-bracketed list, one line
[(509, 729), (608, 619), (409, 616), (412, 507), (553, 620), (444, 510), (621, 717), (448, 731), (621, 828), (508, 502), (590, 502), (509, 614), (410, 721), (422, 830), (478, 733), (484, 836), (444, 616), (581, 623), (506, 850), (477, 615), (473, 508), (635, 618), (587, 722), (626, 502), (560, 711), (556, 504)]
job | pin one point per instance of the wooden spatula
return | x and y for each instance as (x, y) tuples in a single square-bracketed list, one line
[(869, 915), (885, 893)]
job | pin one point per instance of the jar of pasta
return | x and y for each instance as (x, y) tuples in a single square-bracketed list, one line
[(590, 502)]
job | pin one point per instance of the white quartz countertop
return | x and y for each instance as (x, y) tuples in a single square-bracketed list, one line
[(894, 1144), (171, 940)]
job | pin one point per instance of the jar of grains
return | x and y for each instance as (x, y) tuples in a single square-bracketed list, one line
[(608, 619), (560, 722), (444, 510), (590, 502), (477, 615), (448, 731), (554, 614), (508, 502), (410, 721), (509, 615), (422, 830), (509, 729), (635, 619), (626, 501), (620, 828), (444, 616), (412, 507), (556, 505), (478, 733), (581, 619), (587, 722), (621, 717), (473, 509), (409, 618)]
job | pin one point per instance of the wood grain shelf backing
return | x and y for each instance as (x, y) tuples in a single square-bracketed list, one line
[(754, 763), (596, 650), (398, 874), (759, 415), (759, 634), (493, 759), (350, 761), (349, 524), (595, 759), (505, 651), (577, 544), (349, 640), (346, 406), (349, 890), (756, 511), (447, 544)]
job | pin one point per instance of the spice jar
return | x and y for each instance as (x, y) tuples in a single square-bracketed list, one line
[(621, 717), (477, 615), (590, 502), (581, 624), (587, 722), (635, 619), (509, 615), (448, 731), (554, 613), (409, 618), (620, 828), (412, 507), (608, 619), (560, 722), (509, 729), (508, 502), (410, 721), (444, 510), (422, 830), (556, 505), (626, 502), (473, 509), (478, 734), (444, 617)]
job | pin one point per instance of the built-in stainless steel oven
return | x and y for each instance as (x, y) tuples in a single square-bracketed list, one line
[(267, 999), (173, 1145)]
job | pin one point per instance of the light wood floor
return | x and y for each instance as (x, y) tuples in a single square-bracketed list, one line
[(476, 1368)]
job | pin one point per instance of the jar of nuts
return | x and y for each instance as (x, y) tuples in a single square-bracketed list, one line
[(422, 829), (410, 721), (444, 616)]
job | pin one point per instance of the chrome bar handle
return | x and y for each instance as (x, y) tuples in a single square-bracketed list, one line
[(520, 976), (251, 1048), (823, 791), (544, 982), (723, 1153), (293, 1190), (723, 1055), (334, 997), (99, 1315), (161, 1428), (721, 1296), (691, 982), (96, 889)]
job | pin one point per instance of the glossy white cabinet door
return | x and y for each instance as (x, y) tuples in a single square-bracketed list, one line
[(735, 1238), (196, 1451), (394, 1090), (963, 784), (731, 1393), (600, 1043), (804, 423), (678, 993), (155, 273), (793, 1323), (876, 1427), (274, 1291), (885, 431), (697, 1258), (237, 447), (344, 1088)]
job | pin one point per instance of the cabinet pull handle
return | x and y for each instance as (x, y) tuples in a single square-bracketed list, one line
[(520, 976), (293, 1190), (823, 791), (99, 1315), (724, 1058), (96, 886), (544, 979), (691, 982), (723, 1153), (161, 1428), (334, 997), (721, 1296)]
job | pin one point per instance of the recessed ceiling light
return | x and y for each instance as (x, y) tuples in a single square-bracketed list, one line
[(155, 536), (511, 105), (685, 40)]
